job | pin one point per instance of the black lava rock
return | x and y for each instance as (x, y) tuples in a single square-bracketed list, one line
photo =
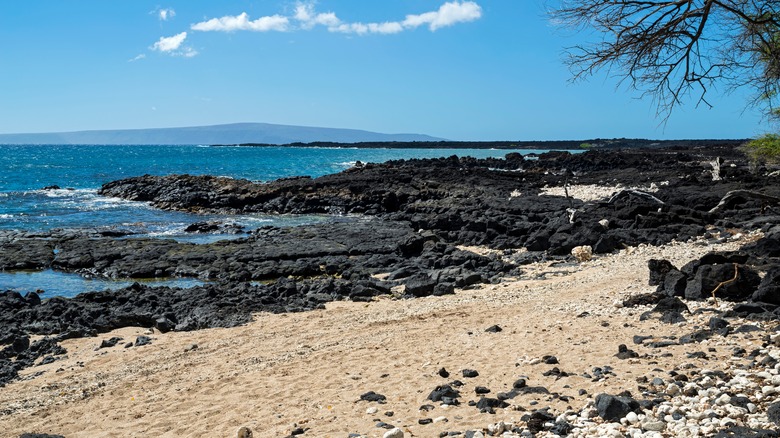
[(613, 408), (625, 353), (445, 394), (493, 329), (372, 396), (470, 373), (142, 340), (773, 413)]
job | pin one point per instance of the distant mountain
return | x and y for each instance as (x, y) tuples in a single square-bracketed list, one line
[(235, 133)]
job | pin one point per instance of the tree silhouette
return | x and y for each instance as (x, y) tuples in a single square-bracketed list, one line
[(674, 50)]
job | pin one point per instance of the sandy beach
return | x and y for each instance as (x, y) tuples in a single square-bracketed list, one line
[(307, 371)]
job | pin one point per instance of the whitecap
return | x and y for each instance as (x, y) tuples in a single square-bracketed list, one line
[(64, 193), (257, 220)]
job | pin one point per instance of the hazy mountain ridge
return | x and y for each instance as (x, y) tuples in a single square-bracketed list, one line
[(235, 133)]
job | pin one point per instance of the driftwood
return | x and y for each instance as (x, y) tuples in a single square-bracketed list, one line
[(716, 164), (636, 193), (744, 194), (724, 283)]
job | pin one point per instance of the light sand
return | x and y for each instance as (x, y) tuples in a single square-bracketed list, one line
[(309, 369)]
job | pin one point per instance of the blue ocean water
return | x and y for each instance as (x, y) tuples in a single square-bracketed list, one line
[(79, 171)]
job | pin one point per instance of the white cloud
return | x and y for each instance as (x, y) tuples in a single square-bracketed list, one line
[(307, 18), (173, 46), (304, 12), (385, 28), (137, 58), (166, 14), (448, 14), (169, 44), (364, 28), (242, 22), (187, 52)]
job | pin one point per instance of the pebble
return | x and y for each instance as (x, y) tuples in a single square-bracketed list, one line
[(372, 410), (244, 432), (655, 426), (394, 433)]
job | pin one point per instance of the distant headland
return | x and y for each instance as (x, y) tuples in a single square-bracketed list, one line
[(266, 135), (614, 143), (235, 133)]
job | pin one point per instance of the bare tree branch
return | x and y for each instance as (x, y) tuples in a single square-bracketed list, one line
[(676, 49)]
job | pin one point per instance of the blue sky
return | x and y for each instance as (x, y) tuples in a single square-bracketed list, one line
[(463, 70)]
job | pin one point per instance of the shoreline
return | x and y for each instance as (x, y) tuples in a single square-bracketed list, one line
[(462, 264), (549, 145), (312, 377)]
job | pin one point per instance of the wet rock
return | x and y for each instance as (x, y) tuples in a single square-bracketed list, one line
[(214, 227)]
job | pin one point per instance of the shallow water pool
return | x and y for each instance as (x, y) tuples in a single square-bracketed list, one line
[(63, 284)]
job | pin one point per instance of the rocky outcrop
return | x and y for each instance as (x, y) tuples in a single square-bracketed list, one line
[(399, 222)]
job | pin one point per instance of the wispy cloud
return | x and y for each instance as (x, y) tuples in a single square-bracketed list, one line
[(242, 22), (164, 14), (137, 58), (173, 45), (306, 17)]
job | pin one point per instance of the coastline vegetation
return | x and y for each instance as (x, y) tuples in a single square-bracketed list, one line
[(764, 149)]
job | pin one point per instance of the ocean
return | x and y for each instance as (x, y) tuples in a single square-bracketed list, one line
[(79, 171)]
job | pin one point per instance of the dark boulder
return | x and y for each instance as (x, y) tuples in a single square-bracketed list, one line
[(613, 408), (709, 277), (420, 285), (658, 270), (769, 289)]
